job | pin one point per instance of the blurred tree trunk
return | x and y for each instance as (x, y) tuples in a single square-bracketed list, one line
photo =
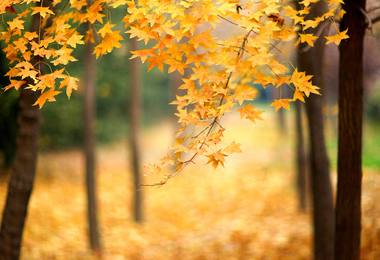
[(311, 62), (90, 144), (348, 203), (24, 166), (276, 92), (301, 160), (135, 116)]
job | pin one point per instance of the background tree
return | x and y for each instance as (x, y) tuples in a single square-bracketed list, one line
[(348, 202), (134, 137), (90, 142), (301, 162), (311, 61)]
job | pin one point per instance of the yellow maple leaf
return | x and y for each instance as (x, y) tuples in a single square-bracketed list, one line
[(233, 148), (110, 41), (27, 70), (30, 35), (106, 29), (216, 158), (335, 2), (64, 56), (78, 4), (310, 23), (341, 13), (196, 59), (189, 23), (70, 84), (12, 72), (167, 160), (75, 39), (309, 38), (337, 38), (143, 54), (152, 169), (204, 40), (244, 92), (250, 113), (278, 103), (176, 65), (263, 80), (298, 95), (43, 11), (119, 3), (89, 36), (16, 23), (155, 60)]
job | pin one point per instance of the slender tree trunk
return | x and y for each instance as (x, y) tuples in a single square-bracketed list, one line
[(24, 166), (348, 203), (322, 198), (276, 93), (135, 116), (301, 160), (89, 146)]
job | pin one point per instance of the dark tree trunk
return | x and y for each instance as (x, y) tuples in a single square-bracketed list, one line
[(322, 198), (135, 116), (89, 146), (348, 203), (24, 166), (301, 160), (22, 178)]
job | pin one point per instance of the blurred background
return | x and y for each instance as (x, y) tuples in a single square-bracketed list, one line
[(247, 210)]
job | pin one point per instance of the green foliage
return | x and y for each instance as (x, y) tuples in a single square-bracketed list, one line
[(372, 104), (371, 146)]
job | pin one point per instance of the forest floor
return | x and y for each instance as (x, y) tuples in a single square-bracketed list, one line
[(247, 210)]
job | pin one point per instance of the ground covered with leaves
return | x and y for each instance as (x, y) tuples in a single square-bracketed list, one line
[(247, 210)]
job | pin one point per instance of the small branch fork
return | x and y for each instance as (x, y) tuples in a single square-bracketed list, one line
[(370, 21)]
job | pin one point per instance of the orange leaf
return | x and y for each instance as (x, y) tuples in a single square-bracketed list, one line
[(46, 96), (70, 84), (143, 54), (232, 148), (15, 84), (278, 103)]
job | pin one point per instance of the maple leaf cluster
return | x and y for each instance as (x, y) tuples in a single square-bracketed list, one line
[(182, 37), (52, 45), (222, 70)]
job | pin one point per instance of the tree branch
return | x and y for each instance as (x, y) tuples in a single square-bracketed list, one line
[(376, 19), (373, 9)]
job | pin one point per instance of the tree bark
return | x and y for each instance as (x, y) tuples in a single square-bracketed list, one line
[(301, 160), (322, 198), (24, 166), (90, 144), (348, 203), (21, 183), (135, 116)]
